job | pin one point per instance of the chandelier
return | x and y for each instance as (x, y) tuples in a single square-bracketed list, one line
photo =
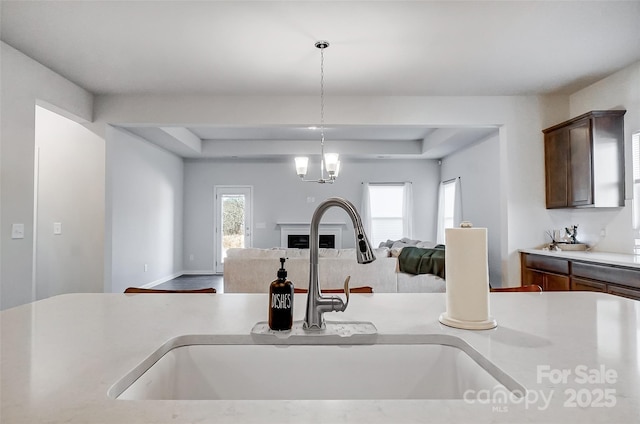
[(329, 160)]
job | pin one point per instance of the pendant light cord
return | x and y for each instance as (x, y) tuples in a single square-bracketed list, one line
[(322, 95), (301, 166), (322, 47)]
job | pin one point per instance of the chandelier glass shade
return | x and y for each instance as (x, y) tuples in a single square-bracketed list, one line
[(328, 161)]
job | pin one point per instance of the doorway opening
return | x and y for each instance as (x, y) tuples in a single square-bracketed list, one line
[(69, 191), (233, 221)]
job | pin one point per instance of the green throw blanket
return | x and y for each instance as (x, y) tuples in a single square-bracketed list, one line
[(416, 260)]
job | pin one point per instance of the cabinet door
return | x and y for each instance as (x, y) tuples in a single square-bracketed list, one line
[(580, 164), (530, 277), (556, 157), (553, 282)]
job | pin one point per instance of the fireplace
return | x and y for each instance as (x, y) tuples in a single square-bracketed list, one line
[(296, 235), (301, 241)]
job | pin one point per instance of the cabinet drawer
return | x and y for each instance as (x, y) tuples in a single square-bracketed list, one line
[(607, 274), (545, 263), (625, 292), (587, 285)]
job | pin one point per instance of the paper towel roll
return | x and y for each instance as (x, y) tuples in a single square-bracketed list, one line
[(467, 279)]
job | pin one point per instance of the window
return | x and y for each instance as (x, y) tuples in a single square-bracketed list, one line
[(449, 207), (449, 193), (389, 212), (636, 189)]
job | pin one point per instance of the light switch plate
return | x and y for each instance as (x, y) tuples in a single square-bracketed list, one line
[(57, 228), (17, 231)]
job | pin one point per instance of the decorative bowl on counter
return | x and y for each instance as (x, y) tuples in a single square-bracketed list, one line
[(572, 246)]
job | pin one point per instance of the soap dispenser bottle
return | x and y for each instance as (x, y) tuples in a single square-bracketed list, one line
[(281, 301)]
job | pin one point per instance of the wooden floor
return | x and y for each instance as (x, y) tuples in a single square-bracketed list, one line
[(192, 282)]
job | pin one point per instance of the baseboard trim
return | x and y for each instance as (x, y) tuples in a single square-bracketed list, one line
[(202, 272), (176, 275), (161, 280)]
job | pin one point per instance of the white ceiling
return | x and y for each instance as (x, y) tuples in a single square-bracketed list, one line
[(423, 48), (355, 141)]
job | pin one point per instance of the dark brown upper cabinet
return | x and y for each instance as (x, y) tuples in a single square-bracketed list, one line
[(584, 161)]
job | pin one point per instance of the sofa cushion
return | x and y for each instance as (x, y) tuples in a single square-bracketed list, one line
[(329, 253), (387, 243), (409, 241), (397, 246), (250, 252), (423, 283), (251, 270), (297, 253)]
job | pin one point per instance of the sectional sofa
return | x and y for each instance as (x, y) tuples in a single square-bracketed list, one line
[(251, 270)]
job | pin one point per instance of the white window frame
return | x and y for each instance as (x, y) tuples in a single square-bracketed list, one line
[(449, 199), (219, 192), (374, 215), (635, 149), (449, 207)]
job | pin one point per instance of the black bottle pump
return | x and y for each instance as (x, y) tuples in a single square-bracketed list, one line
[(281, 301)]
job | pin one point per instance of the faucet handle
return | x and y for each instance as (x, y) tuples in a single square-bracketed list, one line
[(346, 291)]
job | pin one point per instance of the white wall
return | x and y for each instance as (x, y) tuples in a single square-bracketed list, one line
[(24, 83), (145, 218), (480, 189), (523, 215), (618, 91), (70, 191), (280, 196), (520, 119)]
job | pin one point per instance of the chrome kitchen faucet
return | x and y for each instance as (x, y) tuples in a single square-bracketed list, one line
[(317, 304)]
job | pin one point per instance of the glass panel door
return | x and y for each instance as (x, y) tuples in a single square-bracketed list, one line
[(233, 220)]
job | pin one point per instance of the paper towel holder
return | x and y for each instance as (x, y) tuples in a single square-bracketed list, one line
[(485, 324)]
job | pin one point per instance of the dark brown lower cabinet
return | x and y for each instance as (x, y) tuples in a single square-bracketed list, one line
[(549, 273), (625, 292), (581, 284), (548, 281), (556, 283), (558, 274)]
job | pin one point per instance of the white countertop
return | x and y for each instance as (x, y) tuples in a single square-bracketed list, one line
[(619, 259), (61, 355)]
